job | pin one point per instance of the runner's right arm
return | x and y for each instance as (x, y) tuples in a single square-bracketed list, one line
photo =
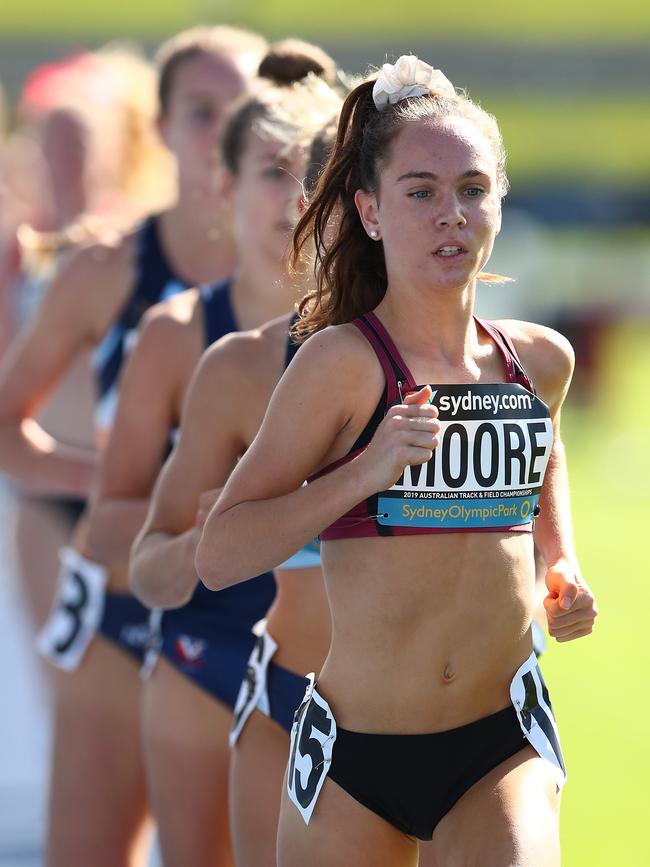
[(74, 314), (265, 513), (162, 573)]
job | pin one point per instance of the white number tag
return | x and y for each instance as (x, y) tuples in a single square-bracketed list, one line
[(77, 611), (153, 645), (312, 739), (531, 701), (253, 687)]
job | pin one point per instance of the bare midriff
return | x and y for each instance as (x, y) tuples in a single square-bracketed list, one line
[(428, 631), (299, 620)]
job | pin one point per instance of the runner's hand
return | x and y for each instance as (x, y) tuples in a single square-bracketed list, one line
[(206, 502), (407, 436), (570, 605)]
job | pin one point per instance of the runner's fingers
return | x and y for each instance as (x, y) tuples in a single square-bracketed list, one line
[(414, 410), (583, 603), (421, 439), (417, 456), (577, 633), (555, 627), (574, 618), (424, 423)]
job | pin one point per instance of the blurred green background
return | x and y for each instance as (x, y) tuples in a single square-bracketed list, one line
[(569, 83)]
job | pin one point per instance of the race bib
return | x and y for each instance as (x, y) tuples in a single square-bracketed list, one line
[(495, 442), (153, 644), (77, 611), (312, 739), (531, 702), (252, 691)]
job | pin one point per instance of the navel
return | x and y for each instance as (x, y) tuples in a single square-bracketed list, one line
[(448, 674)]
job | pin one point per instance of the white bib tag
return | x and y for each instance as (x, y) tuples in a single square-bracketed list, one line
[(312, 740), (153, 645), (531, 702), (253, 687), (77, 611)]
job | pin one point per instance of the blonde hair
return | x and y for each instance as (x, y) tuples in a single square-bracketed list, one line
[(113, 95)]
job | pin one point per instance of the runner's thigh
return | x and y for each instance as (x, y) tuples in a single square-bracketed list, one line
[(187, 757), (510, 818), (341, 832), (258, 763)]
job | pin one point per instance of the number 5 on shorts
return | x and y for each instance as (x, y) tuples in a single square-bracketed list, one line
[(312, 740)]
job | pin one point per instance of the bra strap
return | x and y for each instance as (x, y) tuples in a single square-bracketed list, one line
[(516, 371), (392, 372), (390, 348)]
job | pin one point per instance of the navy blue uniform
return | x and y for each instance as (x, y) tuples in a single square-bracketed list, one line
[(125, 620), (209, 639)]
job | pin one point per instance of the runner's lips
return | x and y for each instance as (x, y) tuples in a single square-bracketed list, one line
[(450, 250)]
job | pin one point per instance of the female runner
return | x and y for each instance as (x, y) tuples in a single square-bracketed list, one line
[(88, 147), (96, 301), (425, 446), (205, 644), (162, 565)]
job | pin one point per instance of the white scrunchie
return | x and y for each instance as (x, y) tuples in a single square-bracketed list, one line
[(410, 76)]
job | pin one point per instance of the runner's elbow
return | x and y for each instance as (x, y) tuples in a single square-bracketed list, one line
[(211, 568)]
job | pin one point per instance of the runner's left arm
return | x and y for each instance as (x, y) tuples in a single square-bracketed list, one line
[(161, 572), (569, 604), (151, 390)]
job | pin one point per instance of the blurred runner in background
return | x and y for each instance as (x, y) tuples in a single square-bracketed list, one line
[(95, 302), (206, 642)]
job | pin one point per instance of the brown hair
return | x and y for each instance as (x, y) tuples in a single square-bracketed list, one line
[(243, 47), (294, 100), (321, 150), (290, 60), (350, 269)]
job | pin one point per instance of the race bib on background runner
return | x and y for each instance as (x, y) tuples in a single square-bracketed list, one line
[(153, 643), (77, 612), (312, 739), (253, 687), (495, 442)]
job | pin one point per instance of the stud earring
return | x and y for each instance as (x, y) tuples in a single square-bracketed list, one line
[(374, 234)]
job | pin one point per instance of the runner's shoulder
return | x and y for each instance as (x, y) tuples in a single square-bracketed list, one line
[(339, 349), (92, 281), (165, 333), (547, 355), (248, 357), (178, 310)]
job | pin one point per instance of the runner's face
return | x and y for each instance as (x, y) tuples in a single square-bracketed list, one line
[(202, 89), (438, 190), (265, 196)]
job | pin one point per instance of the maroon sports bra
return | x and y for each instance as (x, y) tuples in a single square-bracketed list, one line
[(487, 472)]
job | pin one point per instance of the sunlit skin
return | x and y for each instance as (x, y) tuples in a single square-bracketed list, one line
[(209, 446), (203, 89), (427, 630), (84, 299), (262, 197), (185, 729)]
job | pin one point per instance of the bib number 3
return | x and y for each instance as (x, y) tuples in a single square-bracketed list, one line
[(312, 741), (77, 611)]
